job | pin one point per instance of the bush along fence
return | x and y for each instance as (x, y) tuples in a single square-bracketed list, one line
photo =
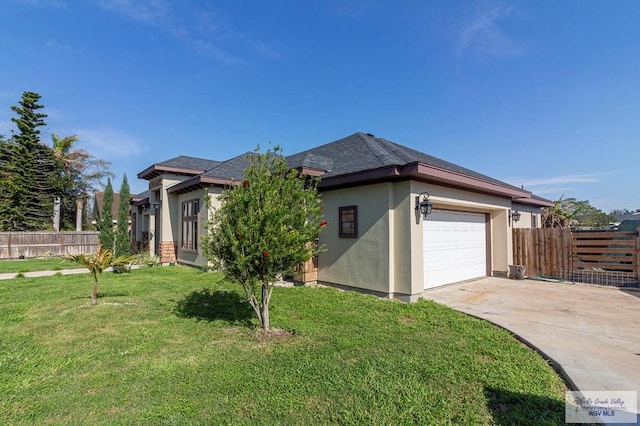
[(605, 258), (16, 245)]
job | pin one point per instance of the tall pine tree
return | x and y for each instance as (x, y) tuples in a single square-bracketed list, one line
[(105, 225), (27, 171), (123, 240)]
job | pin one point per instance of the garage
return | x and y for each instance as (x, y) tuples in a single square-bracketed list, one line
[(454, 247)]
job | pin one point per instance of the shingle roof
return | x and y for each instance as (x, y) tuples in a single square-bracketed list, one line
[(231, 169), (186, 162), (362, 151)]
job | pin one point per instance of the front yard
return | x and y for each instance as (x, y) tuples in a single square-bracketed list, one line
[(175, 345)]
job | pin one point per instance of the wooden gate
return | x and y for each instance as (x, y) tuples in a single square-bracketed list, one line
[(551, 252)]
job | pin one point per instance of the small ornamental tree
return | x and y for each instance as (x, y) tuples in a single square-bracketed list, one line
[(97, 263), (266, 226)]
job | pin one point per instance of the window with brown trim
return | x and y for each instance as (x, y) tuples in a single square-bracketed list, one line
[(190, 225), (348, 222)]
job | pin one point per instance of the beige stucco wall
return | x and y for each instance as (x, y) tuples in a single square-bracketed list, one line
[(170, 210), (194, 258), (364, 261), (527, 216), (387, 255)]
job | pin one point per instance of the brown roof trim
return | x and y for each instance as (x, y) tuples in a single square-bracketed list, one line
[(465, 181), (198, 182), (135, 201), (425, 173), (158, 169), (535, 201), (311, 171)]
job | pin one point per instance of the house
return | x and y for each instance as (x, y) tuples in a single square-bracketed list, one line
[(97, 209), (372, 189)]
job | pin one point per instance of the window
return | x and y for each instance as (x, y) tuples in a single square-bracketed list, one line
[(534, 220), (348, 222), (190, 225)]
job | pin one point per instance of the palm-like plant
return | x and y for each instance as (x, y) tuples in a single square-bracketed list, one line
[(97, 263)]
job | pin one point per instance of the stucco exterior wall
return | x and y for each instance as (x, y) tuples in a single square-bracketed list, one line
[(364, 261), (387, 255), (168, 218), (530, 217), (192, 257)]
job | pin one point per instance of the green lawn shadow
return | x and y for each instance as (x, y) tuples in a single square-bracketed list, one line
[(511, 408), (208, 305)]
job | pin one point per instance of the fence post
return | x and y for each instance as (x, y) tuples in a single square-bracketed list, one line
[(637, 271)]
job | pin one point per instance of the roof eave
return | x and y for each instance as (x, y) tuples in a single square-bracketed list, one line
[(535, 202), (199, 182), (158, 169), (426, 173)]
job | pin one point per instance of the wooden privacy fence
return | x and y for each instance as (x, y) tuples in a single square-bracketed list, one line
[(13, 245), (610, 258)]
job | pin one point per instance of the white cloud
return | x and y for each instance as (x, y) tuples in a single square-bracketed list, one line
[(153, 12), (589, 178), (483, 35), (199, 27), (108, 143)]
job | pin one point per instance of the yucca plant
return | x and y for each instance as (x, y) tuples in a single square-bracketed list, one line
[(98, 262)]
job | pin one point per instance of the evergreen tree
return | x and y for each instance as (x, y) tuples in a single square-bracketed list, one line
[(123, 240), (105, 225), (7, 183), (27, 167)]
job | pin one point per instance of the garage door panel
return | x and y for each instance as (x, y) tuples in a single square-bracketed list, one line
[(454, 247)]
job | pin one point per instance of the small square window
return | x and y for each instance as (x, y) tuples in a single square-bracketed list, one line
[(348, 222)]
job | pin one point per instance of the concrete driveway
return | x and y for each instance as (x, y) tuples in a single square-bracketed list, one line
[(591, 334)]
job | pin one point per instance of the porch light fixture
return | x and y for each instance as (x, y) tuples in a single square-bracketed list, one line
[(425, 206), (514, 215), (157, 204)]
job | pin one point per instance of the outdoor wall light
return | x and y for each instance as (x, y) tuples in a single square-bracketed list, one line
[(514, 215), (157, 204), (425, 206)]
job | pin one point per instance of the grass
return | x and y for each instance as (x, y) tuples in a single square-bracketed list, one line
[(32, 265), (178, 346)]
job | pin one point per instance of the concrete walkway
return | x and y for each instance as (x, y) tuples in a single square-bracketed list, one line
[(591, 334), (35, 274), (12, 275)]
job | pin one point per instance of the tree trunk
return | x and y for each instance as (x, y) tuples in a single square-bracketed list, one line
[(94, 295), (264, 317), (78, 215), (56, 214)]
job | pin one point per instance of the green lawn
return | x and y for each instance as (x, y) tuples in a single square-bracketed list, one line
[(31, 265), (175, 345)]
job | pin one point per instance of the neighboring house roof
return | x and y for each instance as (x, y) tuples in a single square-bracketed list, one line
[(357, 159), (181, 165), (628, 216), (629, 225), (98, 201)]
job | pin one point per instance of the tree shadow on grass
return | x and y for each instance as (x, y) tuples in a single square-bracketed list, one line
[(208, 305), (513, 408)]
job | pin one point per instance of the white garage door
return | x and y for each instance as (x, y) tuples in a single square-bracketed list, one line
[(455, 247)]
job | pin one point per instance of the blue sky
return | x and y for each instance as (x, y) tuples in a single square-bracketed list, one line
[(540, 94)]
